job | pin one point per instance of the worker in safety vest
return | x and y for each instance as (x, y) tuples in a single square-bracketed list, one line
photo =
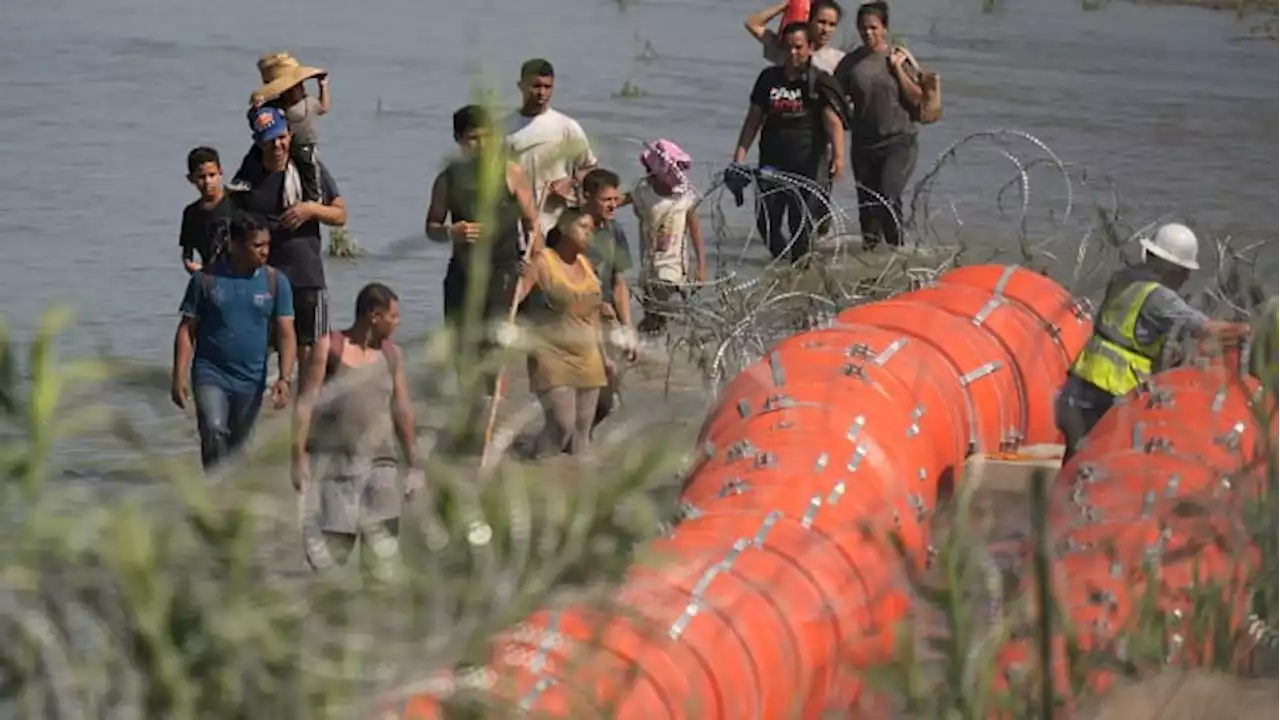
[(1139, 314)]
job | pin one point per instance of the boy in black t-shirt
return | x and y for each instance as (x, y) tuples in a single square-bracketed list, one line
[(204, 222)]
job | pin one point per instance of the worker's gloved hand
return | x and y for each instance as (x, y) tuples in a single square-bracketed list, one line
[(737, 178)]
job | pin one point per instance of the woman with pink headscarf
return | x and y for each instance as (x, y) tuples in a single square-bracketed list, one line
[(666, 206)]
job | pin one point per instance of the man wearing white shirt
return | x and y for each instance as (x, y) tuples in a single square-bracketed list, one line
[(550, 145)]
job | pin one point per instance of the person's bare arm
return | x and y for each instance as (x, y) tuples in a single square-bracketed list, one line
[(333, 214), (529, 280), (622, 299), (438, 210), (310, 381), (750, 126), (835, 131), (288, 347), (699, 245), (757, 23), (519, 186), (402, 416), (1221, 329), (184, 343), (326, 98), (911, 91), (189, 260)]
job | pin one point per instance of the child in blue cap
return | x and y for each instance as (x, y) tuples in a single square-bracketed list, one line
[(283, 89)]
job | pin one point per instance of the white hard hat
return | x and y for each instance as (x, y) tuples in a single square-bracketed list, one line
[(1173, 243)]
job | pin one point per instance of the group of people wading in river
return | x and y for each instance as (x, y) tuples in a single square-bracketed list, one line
[(554, 251)]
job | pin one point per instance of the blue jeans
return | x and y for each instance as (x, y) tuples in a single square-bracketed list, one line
[(224, 420)]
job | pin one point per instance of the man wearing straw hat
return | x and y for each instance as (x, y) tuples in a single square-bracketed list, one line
[(1139, 315), (284, 87)]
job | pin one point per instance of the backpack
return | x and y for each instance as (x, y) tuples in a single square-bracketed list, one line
[(338, 340), (219, 240), (930, 108)]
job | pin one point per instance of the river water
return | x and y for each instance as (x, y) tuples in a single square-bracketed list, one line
[(101, 102)]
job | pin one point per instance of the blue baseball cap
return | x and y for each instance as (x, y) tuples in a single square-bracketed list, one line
[(267, 123)]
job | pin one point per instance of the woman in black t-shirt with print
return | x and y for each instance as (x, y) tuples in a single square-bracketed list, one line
[(798, 110)]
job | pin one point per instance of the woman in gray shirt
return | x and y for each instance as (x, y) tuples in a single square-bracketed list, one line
[(884, 97)]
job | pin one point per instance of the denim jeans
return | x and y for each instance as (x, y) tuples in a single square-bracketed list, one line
[(224, 420)]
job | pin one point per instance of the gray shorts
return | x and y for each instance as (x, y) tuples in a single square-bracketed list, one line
[(351, 498)]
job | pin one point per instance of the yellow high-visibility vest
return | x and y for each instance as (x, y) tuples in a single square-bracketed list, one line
[(1114, 359)]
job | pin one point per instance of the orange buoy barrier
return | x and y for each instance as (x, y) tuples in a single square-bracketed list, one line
[(1149, 516), (1036, 361), (814, 480), (984, 369), (1068, 320)]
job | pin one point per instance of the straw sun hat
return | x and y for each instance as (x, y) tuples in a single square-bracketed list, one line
[(281, 71)]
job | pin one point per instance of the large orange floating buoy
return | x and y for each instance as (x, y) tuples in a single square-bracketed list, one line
[(807, 507)]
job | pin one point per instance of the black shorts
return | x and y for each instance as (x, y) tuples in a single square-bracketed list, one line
[(310, 314), (497, 297)]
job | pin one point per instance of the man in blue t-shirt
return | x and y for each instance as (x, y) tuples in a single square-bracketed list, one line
[(224, 336)]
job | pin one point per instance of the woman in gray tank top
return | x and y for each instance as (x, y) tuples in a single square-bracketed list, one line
[(350, 424)]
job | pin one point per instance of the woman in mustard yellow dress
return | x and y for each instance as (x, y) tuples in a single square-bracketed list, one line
[(567, 365)]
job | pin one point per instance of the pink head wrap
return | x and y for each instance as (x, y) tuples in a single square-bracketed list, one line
[(669, 163)]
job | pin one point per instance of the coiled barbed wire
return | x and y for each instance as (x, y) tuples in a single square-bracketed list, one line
[(72, 644)]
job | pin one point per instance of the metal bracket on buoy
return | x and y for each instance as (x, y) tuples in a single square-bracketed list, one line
[(1160, 398), (777, 401), (1135, 438), (1231, 439), (917, 503), (739, 450), (815, 504), (837, 492), (733, 486), (704, 583), (859, 453), (1005, 276), (978, 373), (775, 367), (914, 428), (855, 371), (1219, 399), (858, 350), (687, 511), (985, 312), (539, 687), (890, 350), (1012, 440), (856, 428)]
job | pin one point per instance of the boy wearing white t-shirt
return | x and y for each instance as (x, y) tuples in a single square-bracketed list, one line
[(550, 145), (666, 206)]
